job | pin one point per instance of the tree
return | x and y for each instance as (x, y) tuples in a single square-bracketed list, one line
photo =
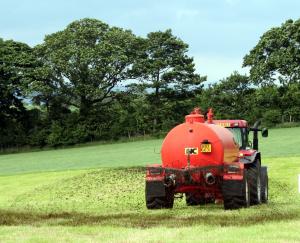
[(133, 109), (166, 70), (85, 62), (231, 98), (290, 102), (16, 70), (276, 56)]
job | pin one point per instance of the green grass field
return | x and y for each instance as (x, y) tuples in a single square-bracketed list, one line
[(96, 193)]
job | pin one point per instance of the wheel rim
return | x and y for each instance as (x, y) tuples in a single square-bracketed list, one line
[(266, 192), (259, 189), (247, 193)]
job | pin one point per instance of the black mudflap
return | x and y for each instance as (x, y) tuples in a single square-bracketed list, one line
[(155, 189), (232, 188)]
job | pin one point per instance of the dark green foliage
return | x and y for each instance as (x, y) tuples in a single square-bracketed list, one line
[(275, 60), (16, 70), (92, 82), (231, 98), (276, 56), (271, 117), (85, 62), (168, 73)]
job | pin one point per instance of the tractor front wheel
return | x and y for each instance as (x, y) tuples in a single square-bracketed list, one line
[(254, 179)]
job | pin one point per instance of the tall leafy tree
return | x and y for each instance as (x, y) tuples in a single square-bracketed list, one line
[(17, 66), (277, 55), (275, 60), (85, 62), (231, 98), (166, 70)]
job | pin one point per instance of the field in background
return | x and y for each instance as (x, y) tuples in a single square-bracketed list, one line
[(97, 193), (280, 143)]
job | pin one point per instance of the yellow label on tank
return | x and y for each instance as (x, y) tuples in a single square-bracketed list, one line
[(205, 148), (191, 151)]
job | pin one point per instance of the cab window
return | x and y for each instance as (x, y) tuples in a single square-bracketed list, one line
[(240, 136)]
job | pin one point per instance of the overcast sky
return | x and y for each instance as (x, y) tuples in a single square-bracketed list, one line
[(219, 32)]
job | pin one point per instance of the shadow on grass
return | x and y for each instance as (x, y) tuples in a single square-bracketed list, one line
[(167, 218)]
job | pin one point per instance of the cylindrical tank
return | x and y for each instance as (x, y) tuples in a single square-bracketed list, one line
[(198, 144)]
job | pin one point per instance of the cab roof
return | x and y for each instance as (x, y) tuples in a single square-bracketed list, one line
[(231, 123)]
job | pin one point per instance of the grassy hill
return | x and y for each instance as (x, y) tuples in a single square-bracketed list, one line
[(96, 193)]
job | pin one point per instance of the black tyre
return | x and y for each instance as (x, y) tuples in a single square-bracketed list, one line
[(161, 202), (264, 184), (194, 199), (254, 180), (236, 193)]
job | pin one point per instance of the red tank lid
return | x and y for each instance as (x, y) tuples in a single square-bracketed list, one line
[(195, 116)]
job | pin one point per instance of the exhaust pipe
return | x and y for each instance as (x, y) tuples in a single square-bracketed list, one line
[(210, 179)]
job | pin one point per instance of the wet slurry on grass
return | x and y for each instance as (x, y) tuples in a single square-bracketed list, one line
[(115, 197), (105, 190)]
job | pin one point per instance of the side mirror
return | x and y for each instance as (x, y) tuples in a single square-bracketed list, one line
[(257, 123), (264, 132)]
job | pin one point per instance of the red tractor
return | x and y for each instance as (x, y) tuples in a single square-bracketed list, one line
[(209, 161)]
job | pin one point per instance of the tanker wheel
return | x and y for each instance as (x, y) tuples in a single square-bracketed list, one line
[(236, 193), (161, 202), (264, 184), (254, 179), (194, 199)]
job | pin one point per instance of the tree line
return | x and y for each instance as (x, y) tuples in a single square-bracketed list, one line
[(92, 82)]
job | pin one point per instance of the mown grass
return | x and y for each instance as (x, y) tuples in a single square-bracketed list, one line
[(107, 203), (284, 231), (284, 142)]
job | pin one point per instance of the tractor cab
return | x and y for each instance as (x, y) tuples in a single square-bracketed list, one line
[(240, 131)]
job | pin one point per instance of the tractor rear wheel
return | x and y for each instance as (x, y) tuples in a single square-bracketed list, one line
[(161, 202), (236, 193), (264, 184), (254, 179), (194, 199)]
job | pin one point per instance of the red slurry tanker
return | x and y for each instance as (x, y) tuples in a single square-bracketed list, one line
[(208, 161)]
